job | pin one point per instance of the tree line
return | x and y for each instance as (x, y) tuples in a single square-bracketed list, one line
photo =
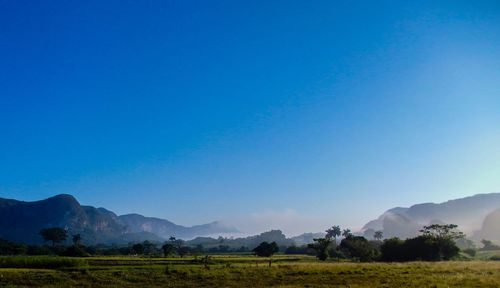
[(436, 242)]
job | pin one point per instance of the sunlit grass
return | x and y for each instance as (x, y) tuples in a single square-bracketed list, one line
[(247, 272)]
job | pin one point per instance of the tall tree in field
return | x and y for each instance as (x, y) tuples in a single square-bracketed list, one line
[(55, 234)]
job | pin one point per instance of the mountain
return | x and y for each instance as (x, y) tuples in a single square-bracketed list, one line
[(135, 223), (307, 238), (478, 216), (21, 221)]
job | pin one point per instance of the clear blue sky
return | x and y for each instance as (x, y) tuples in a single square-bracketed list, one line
[(309, 113)]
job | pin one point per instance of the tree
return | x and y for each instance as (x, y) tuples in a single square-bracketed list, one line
[(55, 234), (393, 250), (378, 235), (488, 245), (77, 239), (358, 247), (179, 246), (447, 231), (346, 233), (168, 249), (333, 232), (436, 243), (321, 246), (138, 248), (266, 249)]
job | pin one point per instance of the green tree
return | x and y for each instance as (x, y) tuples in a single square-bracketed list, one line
[(138, 249), (55, 234), (179, 246), (346, 233), (168, 249), (321, 246), (266, 249), (333, 232), (359, 248), (446, 231), (378, 235)]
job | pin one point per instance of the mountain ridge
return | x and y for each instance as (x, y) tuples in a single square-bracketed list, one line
[(22, 220), (469, 213)]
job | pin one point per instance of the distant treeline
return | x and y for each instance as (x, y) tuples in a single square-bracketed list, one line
[(436, 242)]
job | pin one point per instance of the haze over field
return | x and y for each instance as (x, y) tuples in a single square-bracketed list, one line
[(291, 115)]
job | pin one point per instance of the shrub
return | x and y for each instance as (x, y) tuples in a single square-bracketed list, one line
[(266, 249), (41, 262), (358, 247), (471, 252)]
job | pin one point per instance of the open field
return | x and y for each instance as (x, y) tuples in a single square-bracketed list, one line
[(244, 271)]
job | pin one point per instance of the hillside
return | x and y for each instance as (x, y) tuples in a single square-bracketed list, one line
[(476, 215), (21, 221)]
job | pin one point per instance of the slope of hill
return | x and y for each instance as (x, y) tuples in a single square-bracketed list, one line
[(21, 221), (137, 223), (468, 213)]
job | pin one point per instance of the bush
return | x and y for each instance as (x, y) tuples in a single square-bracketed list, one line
[(471, 252), (392, 250), (40, 262), (358, 247), (11, 248), (75, 251), (266, 249), (425, 248), (302, 250)]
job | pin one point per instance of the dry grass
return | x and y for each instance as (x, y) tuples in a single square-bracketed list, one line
[(245, 272)]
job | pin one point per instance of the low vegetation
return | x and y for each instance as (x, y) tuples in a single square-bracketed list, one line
[(340, 258), (253, 271)]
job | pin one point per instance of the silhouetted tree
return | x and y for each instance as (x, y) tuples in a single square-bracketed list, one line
[(393, 249), (179, 246), (55, 234), (346, 233), (333, 232), (436, 243), (321, 246), (378, 235), (168, 249), (266, 249), (447, 231), (138, 248), (77, 239), (358, 247)]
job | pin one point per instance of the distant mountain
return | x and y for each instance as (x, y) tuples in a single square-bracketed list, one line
[(21, 221), (135, 223), (478, 216), (306, 238), (249, 242)]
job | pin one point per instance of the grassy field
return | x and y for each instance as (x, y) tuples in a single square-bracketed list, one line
[(240, 271)]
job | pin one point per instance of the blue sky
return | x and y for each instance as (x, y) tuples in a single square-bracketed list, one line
[(265, 114)]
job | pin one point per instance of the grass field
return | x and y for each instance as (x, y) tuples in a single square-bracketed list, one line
[(240, 271)]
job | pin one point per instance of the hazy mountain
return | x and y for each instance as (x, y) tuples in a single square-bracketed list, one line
[(137, 223), (249, 242), (475, 215), (306, 238), (21, 221)]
